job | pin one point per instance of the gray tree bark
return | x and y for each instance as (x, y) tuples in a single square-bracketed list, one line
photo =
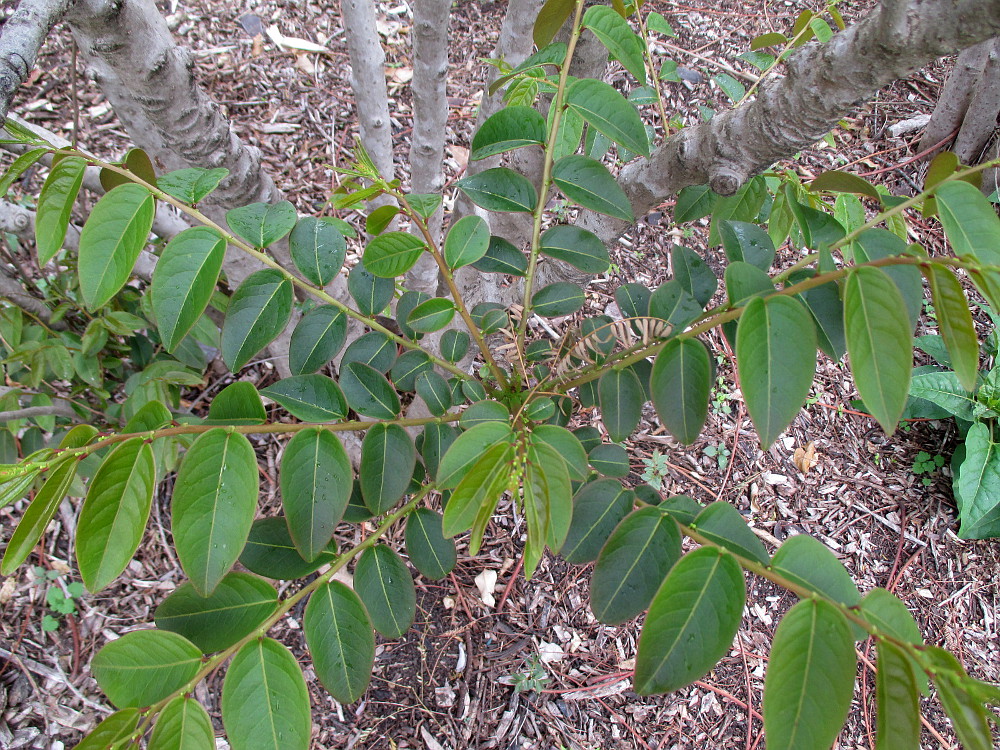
[(22, 37), (430, 121)]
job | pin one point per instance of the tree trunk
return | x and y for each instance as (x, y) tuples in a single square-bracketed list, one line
[(22, 37), (430, 121)]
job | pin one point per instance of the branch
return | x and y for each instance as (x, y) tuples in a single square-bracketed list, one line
[(13, 291), (824, 82), (23, 34), (57, 409)]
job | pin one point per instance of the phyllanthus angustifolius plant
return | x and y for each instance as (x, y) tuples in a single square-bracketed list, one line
[(445, 446)]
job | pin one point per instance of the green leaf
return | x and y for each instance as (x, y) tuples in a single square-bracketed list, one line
[(695, 202), (810, 678), (55, 205), (481, 487), (114, 515), (827, 310), (311, 398), (184, 280), (550, 19), (215, 496), (500, 189), (598, 508), (743, 205), (191, 185), (115, 730), (316, 482), (559, 298), (258, 311), (680, 384), (547, 500), (776, 358), (747, 242), (615, 34), (470, 446), (943, 389), (566, 444), (609, 112), (374, 349), (977, 487), (262, 224), (621, 402), (502, 257), (454, 345), (633, 563), (424, 204), (809, 563), (692, 621), (19, 166), (970, 222), (387, 460), (380, 219), (265, 703), (682, 507), (722, 524), (270, 552), (610, 460), (318, 249), (428, 550), (656, 22), (368, 392), (340, 639), (567, 140), (897, 699), (393, 254), (693, 274), (467, 240), (510, 128), (410, 365), (183, 725), (237, 403), (589, 183), (237, 607), (385, 585), (671, 302), (431, 315), (145, 666), (730, 87), (875, 244), (955, 321), (435, 392), (879, 344), (968, 717), (578, 247), (836, 181), (38, 514), (371, 293), (111, 241)]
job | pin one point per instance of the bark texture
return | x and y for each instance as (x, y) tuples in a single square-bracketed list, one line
[(368, 81), (22, 37), (956, 95), (823, 82), (430, 121)]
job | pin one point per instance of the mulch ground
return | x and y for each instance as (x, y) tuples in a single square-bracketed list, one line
[(529, 667)]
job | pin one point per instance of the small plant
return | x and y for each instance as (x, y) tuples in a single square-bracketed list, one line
[(656, 469), (925, 464), (719, 452), (531, 679), (59, 596)]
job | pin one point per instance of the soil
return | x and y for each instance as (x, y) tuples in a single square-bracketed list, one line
[(535, 669)]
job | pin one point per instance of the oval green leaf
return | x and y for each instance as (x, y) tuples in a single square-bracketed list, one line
[(557, 299), (776, 358), (691, 623), (114, 515), (429, 551), (145, 666), (340, 638), (598, 508), (258, 311), (879, 343), (578, 247), (311, 398), (265, 703), (385, 585), (316, 482), (183, 282), (393, 254), (55, 206), (214, 500), (262, 224), (239, 604), (615, 34), (722, 524), (500, 189), (183, 724), (237, 403), (510, 128), (387, 460), (610, 113), (431, 315), (680, 384), (467, 240), (317, 338), (955, 321), (632, 565), (621, 397), (270, 552), (111, 241), (368, 392), (318, 249), (589, 183)]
